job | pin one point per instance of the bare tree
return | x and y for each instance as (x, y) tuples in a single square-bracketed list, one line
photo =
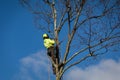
[(90, 27)]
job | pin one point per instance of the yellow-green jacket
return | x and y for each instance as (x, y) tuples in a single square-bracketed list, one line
[(49, 43)]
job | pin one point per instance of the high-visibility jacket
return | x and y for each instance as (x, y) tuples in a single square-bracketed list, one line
[(49, 43)]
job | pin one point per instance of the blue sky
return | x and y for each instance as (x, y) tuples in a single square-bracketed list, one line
[(21, 48), (18, 37)]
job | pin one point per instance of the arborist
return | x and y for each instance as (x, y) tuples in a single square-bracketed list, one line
[(49, 44)]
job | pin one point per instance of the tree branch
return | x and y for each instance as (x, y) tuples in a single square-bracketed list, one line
[(73, 31), (68, 14), (82, 50), (52, 61), (61, 22), (77, 62), (97, 16)]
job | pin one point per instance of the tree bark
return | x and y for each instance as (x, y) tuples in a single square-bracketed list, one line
[(58, 77)]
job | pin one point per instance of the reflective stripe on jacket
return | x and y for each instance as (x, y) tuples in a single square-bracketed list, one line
[(49, 43)]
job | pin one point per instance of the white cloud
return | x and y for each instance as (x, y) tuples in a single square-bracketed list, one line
[(105, 70), (34, 67), (37, 67)]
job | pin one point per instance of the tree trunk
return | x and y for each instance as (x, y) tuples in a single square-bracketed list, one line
[(58, 77), (57, 70)]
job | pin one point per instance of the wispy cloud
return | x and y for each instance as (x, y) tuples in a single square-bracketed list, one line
[(37, 67), (34, 67), (105, 70)]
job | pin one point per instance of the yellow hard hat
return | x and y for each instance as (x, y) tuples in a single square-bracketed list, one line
[(45, 35)]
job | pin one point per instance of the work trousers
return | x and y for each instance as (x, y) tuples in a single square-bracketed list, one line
[(51, 54)]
